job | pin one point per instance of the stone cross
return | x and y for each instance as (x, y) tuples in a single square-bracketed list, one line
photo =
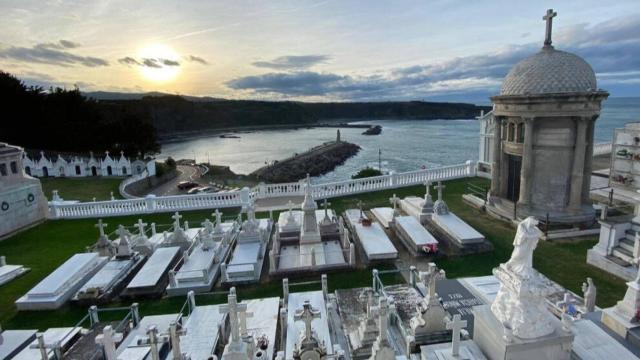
[(140, 225), (108, 340), (122, 233), (456, 325), (440, 187), (383, 312), (326, 208), (360, 205), (175, 332), (307, 314), (427, 191), (152, 334), (232, 308), (100, 225), (176, 223), (548, 17), (394, 201)]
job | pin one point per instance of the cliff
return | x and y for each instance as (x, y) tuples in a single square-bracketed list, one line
[(173, 114)]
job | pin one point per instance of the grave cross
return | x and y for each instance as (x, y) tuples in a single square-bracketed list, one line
[(326, 208), (383, 312), (360, 205), (123, 234), (232, 308), (548, 17), (440, 187), (100, 225), (176, 221), (394, 201), (175, 331), (427, 192), (307, 314), (108, 340), (140, 225), (456, 325)]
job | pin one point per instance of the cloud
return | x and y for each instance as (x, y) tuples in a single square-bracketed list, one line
[(168, 62), (611, 47), (127, 60), (291, 62), (197, 59), (51, 54), (152, 63)]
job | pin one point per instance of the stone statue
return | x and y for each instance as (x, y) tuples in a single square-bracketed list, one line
[(520, 302), (521, 261), (589, 291)]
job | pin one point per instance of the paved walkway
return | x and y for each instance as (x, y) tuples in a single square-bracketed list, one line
[(187, 173)]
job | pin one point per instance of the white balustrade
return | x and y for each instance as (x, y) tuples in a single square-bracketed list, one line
[(153, 204), (602, 149)]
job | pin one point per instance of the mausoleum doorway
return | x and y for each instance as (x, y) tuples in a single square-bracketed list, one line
[(109, 171), (513, 179), (45, 172), (94, 171)]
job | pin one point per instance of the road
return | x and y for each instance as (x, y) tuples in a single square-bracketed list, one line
[(187, 173)]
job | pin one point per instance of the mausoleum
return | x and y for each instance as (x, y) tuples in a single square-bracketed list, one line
[(544, 120)]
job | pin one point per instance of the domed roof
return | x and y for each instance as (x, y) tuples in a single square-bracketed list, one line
[(549, 71)]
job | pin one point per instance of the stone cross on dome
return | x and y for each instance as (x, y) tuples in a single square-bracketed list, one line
[(100, 225), (456, 325), (307, 314), (548, 17)]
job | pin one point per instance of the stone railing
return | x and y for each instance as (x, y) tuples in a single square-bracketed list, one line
[(602, 149), (153, 204)]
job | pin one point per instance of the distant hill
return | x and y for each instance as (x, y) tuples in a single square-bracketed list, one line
[(112, 95), (174, 113)]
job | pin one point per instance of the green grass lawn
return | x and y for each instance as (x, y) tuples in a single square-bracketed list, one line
[(83, 189), (45, 247)]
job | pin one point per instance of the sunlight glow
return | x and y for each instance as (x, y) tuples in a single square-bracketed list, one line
[(161, 63)]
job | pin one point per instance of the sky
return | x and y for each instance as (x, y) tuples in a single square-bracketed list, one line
[(324, 50)]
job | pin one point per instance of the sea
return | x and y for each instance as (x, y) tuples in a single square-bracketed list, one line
[(403, 145)]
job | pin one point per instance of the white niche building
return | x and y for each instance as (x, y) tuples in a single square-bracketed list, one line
[(46, 165)]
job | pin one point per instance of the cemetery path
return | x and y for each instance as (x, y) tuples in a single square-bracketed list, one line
[(278, 203)]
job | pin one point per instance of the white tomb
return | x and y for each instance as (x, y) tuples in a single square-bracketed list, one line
[(202, 263), (374, 241), (311, 239), (54, 290), (152, 278), (414, 236), (384, 215), (202, 331), (13, 342), (10, 272), (54, 337), (136, 345), (451, 224), (109, 280), (297, 327), (248, 256)]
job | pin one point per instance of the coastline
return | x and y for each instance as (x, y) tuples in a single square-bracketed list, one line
[(337, 123)]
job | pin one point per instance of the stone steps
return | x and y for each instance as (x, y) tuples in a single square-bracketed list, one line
[(627, 244), (623, 254)]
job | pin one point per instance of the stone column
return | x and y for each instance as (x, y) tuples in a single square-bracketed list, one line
[(495, 165), (588, 162), (526, 174), (577, 171)]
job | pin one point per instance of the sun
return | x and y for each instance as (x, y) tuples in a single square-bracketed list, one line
[(160, 63)]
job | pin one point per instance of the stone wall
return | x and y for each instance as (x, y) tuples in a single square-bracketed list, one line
[(21, 207)]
